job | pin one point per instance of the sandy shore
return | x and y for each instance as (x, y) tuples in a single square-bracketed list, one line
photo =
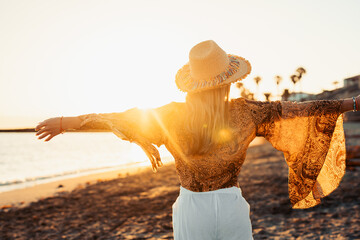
[(138, 206), (23, 197)]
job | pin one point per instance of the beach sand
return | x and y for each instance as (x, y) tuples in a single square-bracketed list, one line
[(24, 196), (138, 206)]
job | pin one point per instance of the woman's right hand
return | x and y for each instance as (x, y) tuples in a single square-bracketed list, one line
[(49, 128)]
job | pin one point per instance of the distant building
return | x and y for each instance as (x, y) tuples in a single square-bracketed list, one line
[(352, 81), (297, 96), (351, 89)]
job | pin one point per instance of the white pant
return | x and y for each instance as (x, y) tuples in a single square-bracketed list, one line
[(219, 214)]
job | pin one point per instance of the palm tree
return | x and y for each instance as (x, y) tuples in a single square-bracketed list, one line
[(267, 96), (294, 79), (244, 92), (239, 85), (257, 80), (278, 80), (300, 72)]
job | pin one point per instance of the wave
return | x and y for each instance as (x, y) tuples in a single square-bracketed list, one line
[(49, 178)]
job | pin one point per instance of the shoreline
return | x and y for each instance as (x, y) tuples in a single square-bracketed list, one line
[(24, 196), (18, 185)]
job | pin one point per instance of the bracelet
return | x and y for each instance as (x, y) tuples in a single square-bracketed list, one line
[(355, 104), (61, 130)]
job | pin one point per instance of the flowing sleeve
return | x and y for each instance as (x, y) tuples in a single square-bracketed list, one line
[(311, 136), (143, 127)]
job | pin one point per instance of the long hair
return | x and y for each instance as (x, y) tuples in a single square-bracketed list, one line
[(207, 119)]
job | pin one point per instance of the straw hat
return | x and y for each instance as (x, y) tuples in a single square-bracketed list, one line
[(210, 67)]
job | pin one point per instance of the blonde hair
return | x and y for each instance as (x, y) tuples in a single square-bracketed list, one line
[(207, 119)]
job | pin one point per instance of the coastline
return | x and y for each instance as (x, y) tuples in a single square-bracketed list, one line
[(24, 196), (21, 197)]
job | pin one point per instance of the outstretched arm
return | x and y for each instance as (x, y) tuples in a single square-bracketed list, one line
[(348, 104), (142, 127), (54, 126), (311, 136)]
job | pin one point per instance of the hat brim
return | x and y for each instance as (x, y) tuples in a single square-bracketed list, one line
[(237, 70)]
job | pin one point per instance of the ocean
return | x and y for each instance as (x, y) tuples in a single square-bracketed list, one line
[(26, 161)]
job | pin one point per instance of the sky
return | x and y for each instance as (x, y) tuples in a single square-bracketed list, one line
[(72, 57)]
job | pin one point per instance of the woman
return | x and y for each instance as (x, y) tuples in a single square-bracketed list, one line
[(209, 135)]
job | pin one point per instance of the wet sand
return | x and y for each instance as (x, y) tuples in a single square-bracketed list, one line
[(138, 206)]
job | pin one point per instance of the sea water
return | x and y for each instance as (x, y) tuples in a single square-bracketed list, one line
[(26, 161)]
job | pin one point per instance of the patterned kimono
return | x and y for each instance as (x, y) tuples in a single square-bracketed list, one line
[(310, 134)]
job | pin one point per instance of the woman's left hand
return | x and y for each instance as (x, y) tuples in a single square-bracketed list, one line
[(49, 128)]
